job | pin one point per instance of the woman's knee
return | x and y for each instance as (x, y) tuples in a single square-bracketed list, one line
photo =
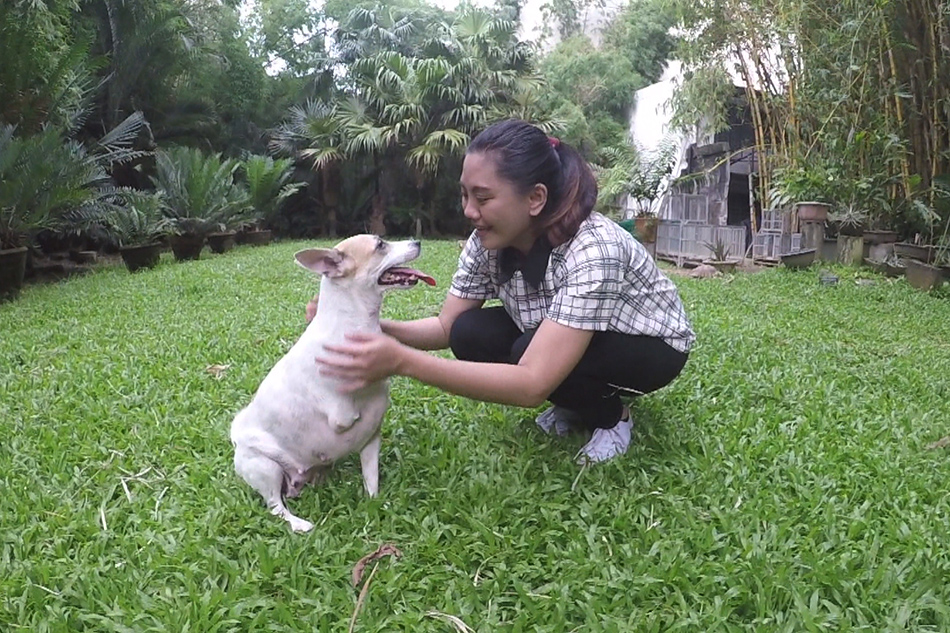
[(483, 335), (464, 335)]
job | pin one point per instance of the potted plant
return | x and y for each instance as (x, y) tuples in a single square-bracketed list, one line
[(45, 176), (636, 176), (136, 229), (851, 221), (199, 196), (803, 185), (268, 186), (926, 219), (720, 259)]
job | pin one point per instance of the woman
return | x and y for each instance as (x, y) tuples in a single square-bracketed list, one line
[(585, 311)]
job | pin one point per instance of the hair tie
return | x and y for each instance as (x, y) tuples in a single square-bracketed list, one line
[(554, 141)]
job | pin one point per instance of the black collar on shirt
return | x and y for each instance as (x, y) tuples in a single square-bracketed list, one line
[(532, 265)]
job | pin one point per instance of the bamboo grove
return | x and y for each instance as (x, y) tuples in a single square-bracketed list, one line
[(849, 100)]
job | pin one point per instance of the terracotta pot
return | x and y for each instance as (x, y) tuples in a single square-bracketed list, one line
[(646, 229), (187, 247), (140, 257), (813, 211), (221, 242), (923, 276), (12, 271)]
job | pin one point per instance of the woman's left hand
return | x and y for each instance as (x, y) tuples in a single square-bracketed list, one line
[(365, 358)]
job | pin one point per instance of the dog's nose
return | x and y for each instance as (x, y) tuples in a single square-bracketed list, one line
[(415, 244)]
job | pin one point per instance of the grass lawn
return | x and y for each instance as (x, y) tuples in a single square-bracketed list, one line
[(783, 483)]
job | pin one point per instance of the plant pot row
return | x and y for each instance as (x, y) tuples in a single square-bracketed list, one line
[(189, 247)]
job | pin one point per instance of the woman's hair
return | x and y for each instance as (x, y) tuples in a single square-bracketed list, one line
[(526, 156)]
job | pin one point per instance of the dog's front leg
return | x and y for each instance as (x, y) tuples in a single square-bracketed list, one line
[(369, 460)]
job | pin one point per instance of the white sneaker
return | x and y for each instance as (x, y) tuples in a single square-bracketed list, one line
[(558, 420), (606, 444)]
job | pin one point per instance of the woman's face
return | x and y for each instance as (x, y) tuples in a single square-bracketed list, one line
[(502, 215)]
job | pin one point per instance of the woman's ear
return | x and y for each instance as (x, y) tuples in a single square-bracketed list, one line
[(537, 198)]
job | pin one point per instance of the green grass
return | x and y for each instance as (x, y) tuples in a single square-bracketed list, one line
[(782, 483)]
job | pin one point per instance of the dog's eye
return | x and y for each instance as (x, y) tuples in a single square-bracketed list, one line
[(380, 245)]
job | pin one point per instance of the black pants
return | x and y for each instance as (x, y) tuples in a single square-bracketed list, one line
[(639, 363)]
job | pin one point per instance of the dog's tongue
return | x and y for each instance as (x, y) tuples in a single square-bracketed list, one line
[(418, 274)]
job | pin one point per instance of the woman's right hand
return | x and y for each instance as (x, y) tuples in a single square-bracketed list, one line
[(312, 308)]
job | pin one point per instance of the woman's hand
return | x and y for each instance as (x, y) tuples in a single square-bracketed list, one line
[(364, 359), (312, 308)]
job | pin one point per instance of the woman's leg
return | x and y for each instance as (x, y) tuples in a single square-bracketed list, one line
[(484, 335), (589, 396), (613, 361)]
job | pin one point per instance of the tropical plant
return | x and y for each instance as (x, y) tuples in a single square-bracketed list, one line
[(49, 180), (636, 175), (719, 249), (199, 193), (137, 222), (313, 134), (268, 185), (46, 72)]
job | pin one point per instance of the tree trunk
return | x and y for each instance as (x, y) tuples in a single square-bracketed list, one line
[(377, 219), (331, 181)]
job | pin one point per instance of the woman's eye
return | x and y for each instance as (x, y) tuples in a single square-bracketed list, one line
[(482, 200)]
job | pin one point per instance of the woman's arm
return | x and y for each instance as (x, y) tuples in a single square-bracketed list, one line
[(433, 332), (553, 353)]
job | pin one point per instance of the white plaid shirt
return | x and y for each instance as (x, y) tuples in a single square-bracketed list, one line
[(602, 279)]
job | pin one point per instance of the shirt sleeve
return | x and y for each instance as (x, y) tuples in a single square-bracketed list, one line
[(472, 279), (589, 293)]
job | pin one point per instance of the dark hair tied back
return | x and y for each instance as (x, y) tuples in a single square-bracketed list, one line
[(524, 157)]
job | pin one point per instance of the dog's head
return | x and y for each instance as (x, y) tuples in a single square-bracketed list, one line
[(366, 261)]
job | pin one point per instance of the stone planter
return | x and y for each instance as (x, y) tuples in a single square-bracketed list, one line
[(880, 237), (12, 271), (923, 253), (850, 250), (725, 266), (801, 259), (221, 242), (140, 257), (187, 247), (813, 211), (923, 276)]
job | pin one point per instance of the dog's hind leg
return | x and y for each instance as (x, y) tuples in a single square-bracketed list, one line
[(369, 461), (266, 476)]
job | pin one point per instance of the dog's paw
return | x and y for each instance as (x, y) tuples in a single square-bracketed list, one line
[(300, 525)]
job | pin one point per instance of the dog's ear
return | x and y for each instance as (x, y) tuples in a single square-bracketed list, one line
[(323, 261)]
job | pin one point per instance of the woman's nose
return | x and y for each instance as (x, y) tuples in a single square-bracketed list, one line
[(469, 210)]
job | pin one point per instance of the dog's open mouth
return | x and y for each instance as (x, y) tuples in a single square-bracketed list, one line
[(401, 276)]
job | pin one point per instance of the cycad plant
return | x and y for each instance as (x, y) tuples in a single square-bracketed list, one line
[(46, 176), (268, 185), (199, 193), (138, 222)]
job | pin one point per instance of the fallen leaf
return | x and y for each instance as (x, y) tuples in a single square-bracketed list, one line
[(943, 442), (217, 370), (386, 549)]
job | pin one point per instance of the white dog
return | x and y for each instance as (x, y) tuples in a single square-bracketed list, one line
[(298, 423)]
